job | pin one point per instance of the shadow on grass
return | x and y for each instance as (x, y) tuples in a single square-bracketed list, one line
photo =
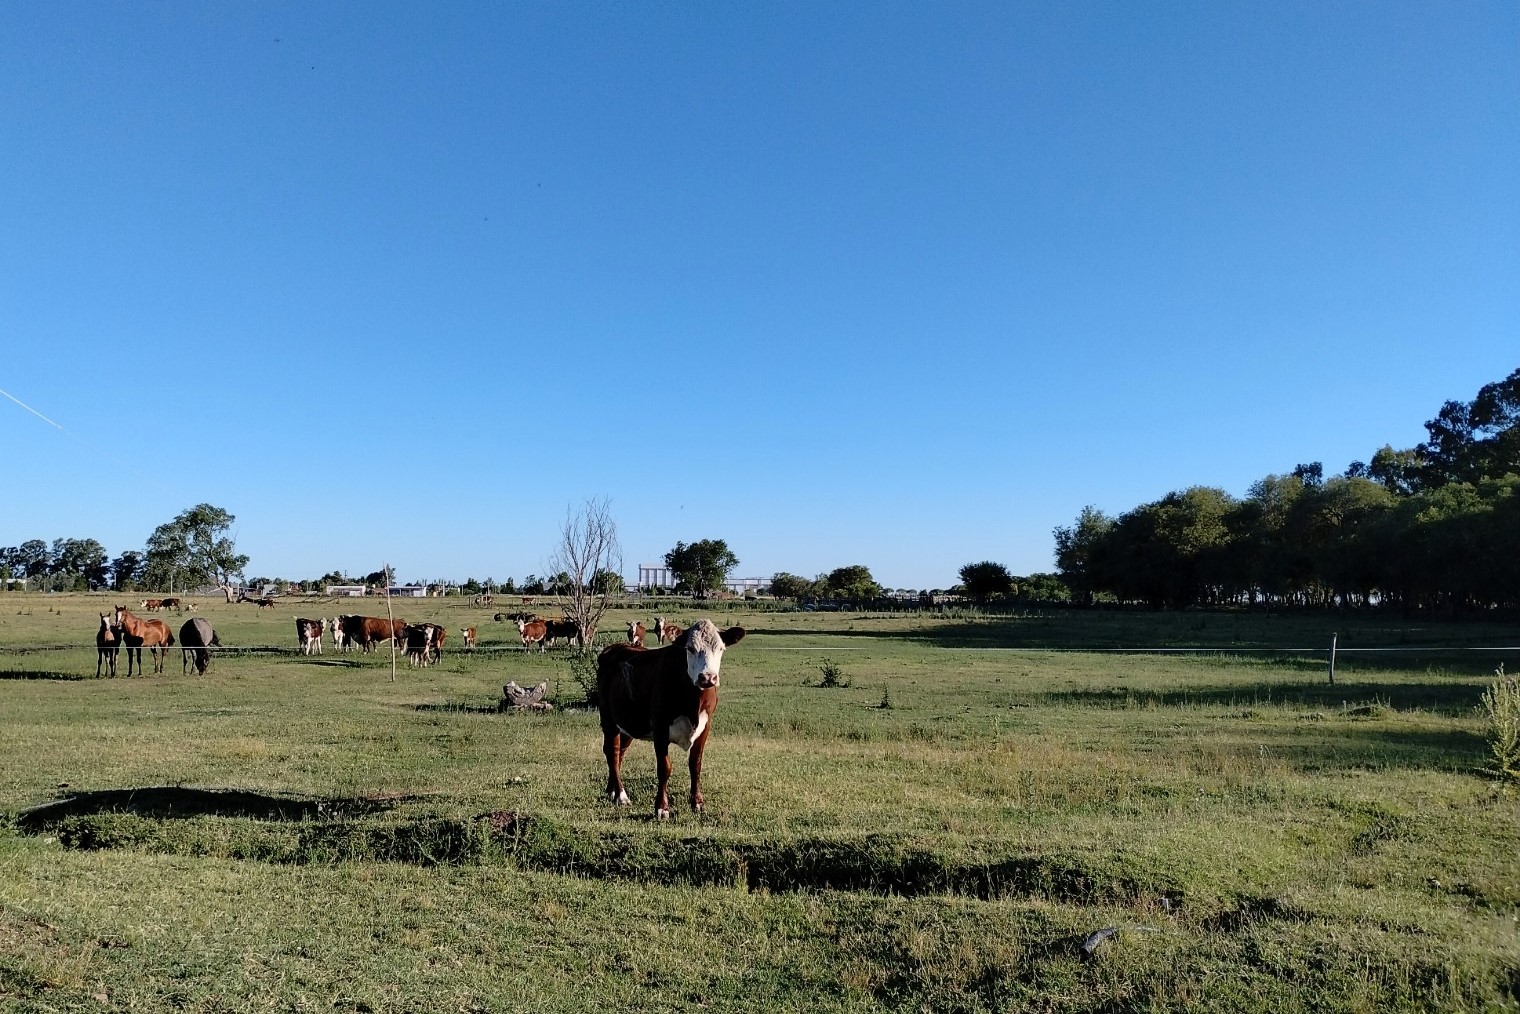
[(1454, 697), (1362, 640), (461, 709), (40, 674), (174, 801)]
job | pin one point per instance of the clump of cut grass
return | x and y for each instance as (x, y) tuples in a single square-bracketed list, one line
[(1501, 708)]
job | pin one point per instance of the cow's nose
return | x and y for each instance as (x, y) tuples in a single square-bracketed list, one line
[(707, 681)]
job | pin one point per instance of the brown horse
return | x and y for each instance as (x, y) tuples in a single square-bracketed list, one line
[(107, 645), (136, 633)]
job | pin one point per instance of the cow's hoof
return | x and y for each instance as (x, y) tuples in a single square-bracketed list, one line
[(618, 798), (696, 804), (662, 815)]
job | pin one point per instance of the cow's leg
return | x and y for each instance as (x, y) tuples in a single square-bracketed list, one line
[(614, 745), (694, 766), (662, 769)]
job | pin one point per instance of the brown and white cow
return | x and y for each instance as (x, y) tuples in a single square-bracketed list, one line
[(469, 637), (667, 695), (665, 631), (368, 631), (636, 633), (152, 605), (309, 635), (339, 637), (532, 632)]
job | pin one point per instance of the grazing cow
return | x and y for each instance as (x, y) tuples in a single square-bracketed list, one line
[(309, 635), (151, 605), (532, 632), (667, 695), (562, 628), (636, 633), (665, 631), (173, 604), (107, 645), (196, 638), (469, 638), (264, 603), (137, 633), (367, 631)]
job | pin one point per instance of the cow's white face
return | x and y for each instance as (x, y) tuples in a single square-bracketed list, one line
[(704, 652)]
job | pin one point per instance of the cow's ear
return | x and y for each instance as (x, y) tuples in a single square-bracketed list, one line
[(733, 635)]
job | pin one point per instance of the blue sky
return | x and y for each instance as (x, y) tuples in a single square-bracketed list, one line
[(905, 285)]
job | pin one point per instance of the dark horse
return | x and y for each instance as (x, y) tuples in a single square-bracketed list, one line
[(107, 645), (197, 638), (137, 633)]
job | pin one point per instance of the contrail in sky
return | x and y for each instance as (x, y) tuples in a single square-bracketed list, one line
[(29, 408)]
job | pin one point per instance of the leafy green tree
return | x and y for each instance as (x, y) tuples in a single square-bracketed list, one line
[(790, 586), (1082, 554), (33, 558), (1478, 439), (194, 549), (986, 579), (1399, 472), (853, 582), (79, 563), (126, 570), (1041, 588), (702, 566)]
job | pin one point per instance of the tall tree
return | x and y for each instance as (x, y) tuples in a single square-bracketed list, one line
[(790, 586), (126, 570), (701, 566), (80, 562), (1082, 554), (985, 579), (588, 550), (33, 558), (1478, 439), (193, 549), (853, 582)]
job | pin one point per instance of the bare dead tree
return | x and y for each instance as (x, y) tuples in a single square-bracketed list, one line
[(589, 552)]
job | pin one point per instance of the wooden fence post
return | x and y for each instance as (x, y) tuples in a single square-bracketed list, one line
[(1333, 639)]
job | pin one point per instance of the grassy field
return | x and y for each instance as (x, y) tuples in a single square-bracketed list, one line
[(944, 831)]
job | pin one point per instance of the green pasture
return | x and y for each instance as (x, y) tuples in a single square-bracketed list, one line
[(905, 812)]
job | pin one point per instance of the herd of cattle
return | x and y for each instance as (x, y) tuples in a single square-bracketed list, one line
[(422, 642), (667, 694)]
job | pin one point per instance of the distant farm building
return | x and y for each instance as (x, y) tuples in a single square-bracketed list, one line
[(656, 575), (353, 591), (407, 591), (748, 585)]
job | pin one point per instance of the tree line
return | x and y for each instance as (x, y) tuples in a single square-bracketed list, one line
[(190, 551), (1434, 527)]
